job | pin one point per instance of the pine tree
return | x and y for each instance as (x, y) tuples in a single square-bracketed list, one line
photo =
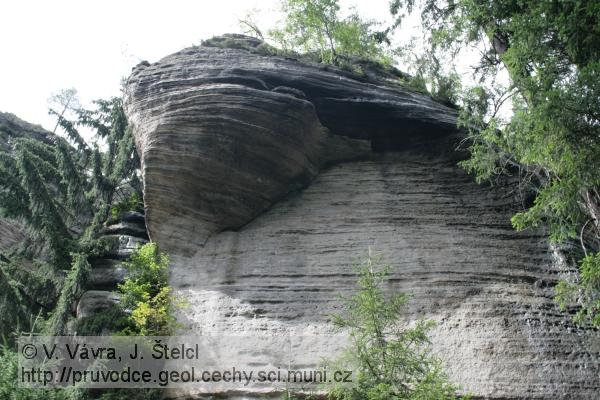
[(63, 190), (388, 362)]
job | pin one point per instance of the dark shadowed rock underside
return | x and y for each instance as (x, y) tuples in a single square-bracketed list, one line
[(267, 178)]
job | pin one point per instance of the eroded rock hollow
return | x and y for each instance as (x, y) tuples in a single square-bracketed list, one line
[(266, 178)]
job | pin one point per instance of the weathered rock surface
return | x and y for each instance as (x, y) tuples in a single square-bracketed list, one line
[(205, 129), (95, 301), (12, 127), (124, 246), (106, 273), (222, 152), (127, 232), (125, 228)]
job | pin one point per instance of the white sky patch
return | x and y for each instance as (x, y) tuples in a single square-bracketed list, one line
[(47, 46)]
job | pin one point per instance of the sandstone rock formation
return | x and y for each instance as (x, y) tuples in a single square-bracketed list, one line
[(204, 126), (127, 232), (228, 138)]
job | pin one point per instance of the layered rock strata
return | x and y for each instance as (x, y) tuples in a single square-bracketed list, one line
[(128, 232), (231, 133), (246, 188)]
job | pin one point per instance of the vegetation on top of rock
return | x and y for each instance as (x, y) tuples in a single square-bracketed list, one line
[(316, 27), (132, 202), (146, 303), (550, 140)]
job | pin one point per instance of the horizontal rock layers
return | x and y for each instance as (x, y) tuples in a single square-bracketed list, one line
[(450, 245), (226, 136), (127, 233), (232, 132)]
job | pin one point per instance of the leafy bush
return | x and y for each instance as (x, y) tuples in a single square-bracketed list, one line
[(112, 320), (145, 294), (388, 362)]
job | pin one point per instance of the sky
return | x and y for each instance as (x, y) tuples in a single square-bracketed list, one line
[(48, 46)]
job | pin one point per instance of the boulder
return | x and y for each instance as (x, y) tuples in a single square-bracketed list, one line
[(106, 273), (123, 245), (95, 301), (126, 228)]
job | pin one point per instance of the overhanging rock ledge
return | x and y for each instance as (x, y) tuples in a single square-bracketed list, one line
[(266, 178)]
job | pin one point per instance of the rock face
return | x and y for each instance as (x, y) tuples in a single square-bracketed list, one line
[(12, 127), (127, 232), (228, 136), (205, 128)]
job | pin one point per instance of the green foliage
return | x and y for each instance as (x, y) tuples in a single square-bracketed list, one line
[(12, 312), (9, 390), (429, 75), (71, 289), (58, 189), (31, 190), (389, 362), (112, 320), (24, 291), (145, 294), (550, 50), (130, 203), (585, 291), (316, 27), (63, 190)]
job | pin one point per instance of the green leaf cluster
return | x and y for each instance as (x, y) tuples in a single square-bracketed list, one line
[(9, 376), (146, 295), (130, 203), (585, 291), (316, 27), (10, 391)]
